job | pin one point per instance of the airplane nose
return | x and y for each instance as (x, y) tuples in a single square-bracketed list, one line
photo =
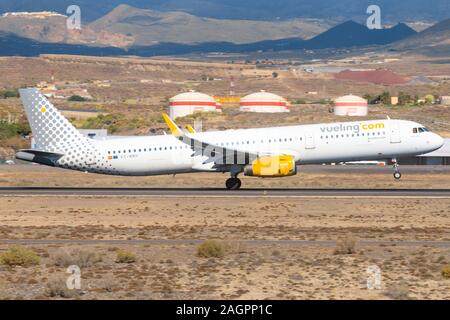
[(437, 141)]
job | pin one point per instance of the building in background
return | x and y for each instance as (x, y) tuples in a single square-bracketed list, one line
[(394, 101), (264, 102), (187, 103), (445, 100), (94, 133), (350, 105)]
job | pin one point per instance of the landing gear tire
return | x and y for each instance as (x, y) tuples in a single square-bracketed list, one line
[(233, 184), (397, 175)]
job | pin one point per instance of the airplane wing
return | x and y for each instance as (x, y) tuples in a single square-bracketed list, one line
[(219, 155)]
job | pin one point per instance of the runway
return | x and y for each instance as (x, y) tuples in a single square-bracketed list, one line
[(221, 193)]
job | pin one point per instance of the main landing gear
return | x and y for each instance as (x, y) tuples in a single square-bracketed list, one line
[(234, 183), (397, 174)]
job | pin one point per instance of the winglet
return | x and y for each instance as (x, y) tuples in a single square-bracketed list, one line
[(189, 128), (172, 126)]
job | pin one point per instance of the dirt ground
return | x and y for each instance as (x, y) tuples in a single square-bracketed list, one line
[(252, 272), (275, 248)]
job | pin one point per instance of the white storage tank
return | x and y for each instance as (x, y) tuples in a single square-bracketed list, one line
[(350, 105), (263, 102), (187, 103)]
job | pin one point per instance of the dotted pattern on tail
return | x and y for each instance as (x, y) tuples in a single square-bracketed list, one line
[(52, 132)]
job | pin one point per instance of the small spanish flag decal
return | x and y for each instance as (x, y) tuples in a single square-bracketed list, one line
[(110, 157)]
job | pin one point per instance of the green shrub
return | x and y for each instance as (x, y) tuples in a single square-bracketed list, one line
[(445, 271), (19, 256), (12, 93), (211, 249), (299, 101), (77, 98), (9, 130), (124, 256)]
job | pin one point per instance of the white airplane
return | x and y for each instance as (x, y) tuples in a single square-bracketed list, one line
[(262, 152)]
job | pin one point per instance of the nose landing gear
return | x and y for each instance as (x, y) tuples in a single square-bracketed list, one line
[(397, 173)]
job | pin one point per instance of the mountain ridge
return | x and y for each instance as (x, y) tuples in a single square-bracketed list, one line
[(148, 27), (336, 37), (392, 10)]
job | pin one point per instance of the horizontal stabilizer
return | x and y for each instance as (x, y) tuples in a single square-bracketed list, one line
[(42, 157)]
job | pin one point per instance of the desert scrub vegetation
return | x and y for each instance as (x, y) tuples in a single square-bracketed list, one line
[(57, 287), (211, 249), (398, 291), (9, 93), (79, 257), (9, 130), (116, 122), (345, 245), (125, 256), (445, 271), (19, 256)]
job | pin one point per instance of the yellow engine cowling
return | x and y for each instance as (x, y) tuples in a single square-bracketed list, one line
[(277, 166)]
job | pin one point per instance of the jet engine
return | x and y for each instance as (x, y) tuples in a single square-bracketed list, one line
[(275, 166)]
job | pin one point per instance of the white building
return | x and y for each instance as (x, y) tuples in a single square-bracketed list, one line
[(350, 105), (187, 103), (264, 102)]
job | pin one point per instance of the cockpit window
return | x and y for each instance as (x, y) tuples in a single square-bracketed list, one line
[(420, 130)]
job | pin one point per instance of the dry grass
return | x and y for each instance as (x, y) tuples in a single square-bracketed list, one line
[(124, 256), (445, 271), (345, 245), (19, 256), (211, 249), (79, 257), (57, 288), (398, 291)]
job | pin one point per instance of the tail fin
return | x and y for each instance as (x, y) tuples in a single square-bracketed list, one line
[(52, 132)]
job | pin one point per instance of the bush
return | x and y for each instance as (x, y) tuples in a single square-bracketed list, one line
[(299, 101), (445, 271), (398, 292), (57, 287), (79, 257), (9, 130), (124, 256), (211, 249), (77, 98), (346, 245), (19, 256), (13, 93)]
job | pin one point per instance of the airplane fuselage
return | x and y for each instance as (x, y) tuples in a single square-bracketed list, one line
[(309, 144)]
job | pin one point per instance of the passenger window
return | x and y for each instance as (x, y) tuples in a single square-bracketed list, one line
[(415, 130)]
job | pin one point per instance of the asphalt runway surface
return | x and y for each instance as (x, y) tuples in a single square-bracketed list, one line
[(218, 192)]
